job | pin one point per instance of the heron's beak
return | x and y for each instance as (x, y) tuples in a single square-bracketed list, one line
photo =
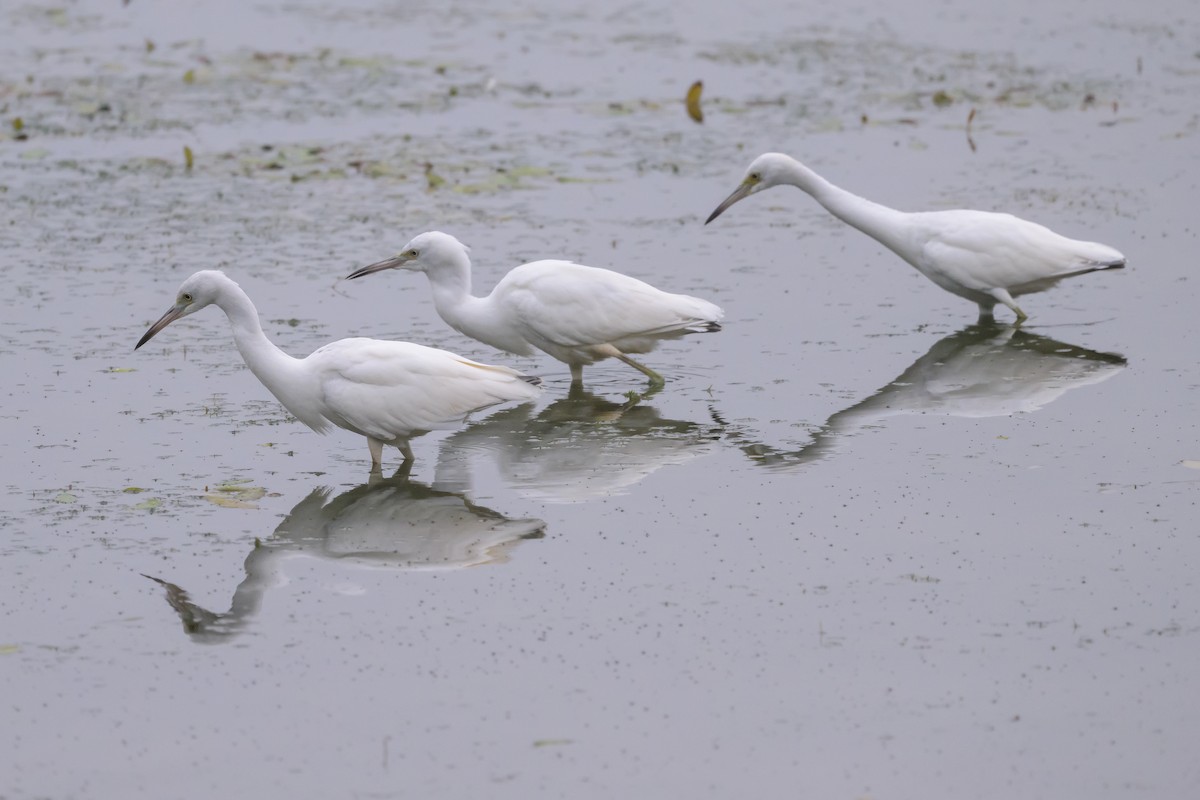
[(742, 191), (395, 262), (175, 313)]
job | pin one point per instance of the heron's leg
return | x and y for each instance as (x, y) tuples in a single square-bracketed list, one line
[(656, 381), (376, 448), (986, 313), (1004, 297), (406, 451), (576, 374)]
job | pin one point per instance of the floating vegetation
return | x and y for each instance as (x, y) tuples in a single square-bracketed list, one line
[(235, 494)]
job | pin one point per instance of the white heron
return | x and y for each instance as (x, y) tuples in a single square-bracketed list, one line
[(385, 391), (982, 256), (577, 314)]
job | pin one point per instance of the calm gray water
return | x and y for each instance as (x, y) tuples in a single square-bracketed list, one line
[(858, 548)]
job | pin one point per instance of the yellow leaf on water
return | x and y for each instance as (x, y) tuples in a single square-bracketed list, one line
[(189, 76), (188, 159), (18, 124), (693, 101), (9, 649)]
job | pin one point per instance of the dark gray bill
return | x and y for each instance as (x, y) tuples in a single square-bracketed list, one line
[(738, 194), (175, 313), (379, 266)]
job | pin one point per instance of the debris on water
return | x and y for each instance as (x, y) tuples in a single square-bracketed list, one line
[(235, 494), (432, 178), (188, 159), (970, 119), (693, 101), (189, 76), (941, 98)]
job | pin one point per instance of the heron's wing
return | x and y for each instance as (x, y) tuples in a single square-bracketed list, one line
[(573, 305), (389, 389), (982, 250)]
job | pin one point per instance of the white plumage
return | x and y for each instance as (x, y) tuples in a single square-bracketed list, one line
[(574, 313), (386, 391), (985, 257)]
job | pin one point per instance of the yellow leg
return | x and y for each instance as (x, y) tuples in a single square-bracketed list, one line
[(1004, 297), (656, 381)]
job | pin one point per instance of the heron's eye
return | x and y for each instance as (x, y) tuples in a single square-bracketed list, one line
[(755, 177), (413, 253), (186, 297)]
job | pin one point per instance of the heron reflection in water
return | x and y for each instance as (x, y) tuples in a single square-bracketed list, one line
[(979, 371), (580, 447), (390, 523)]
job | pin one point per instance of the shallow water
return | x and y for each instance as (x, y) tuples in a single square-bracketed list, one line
[(858, 547)]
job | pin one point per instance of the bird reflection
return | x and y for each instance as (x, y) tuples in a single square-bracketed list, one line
[(580, 447), (979, 371), (391, 523)]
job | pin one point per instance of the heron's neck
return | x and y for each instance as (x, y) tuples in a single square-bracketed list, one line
[(886, 225), (269, 364), (463, 311)]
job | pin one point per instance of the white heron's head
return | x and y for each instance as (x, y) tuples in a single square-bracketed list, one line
[(769, 169), (197, 292), (426, 252)]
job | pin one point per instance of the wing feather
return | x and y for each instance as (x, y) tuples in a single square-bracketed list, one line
[(571, 305), (391, 389)]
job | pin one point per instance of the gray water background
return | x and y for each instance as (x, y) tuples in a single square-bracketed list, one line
[(855, 549)]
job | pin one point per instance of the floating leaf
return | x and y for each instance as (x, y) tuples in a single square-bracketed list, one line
[(134, 490), (693, 101), (18, 124), (941, 99), (189, 76), (234, 494), (149, 46), (112, 370), (552, 742), (188, 159), (149, 504), (9, 649), (65, 497)]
